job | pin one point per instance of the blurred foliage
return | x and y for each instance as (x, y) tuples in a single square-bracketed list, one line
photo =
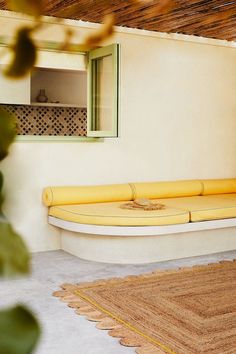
[(24, 49), (24, 54), (93, 39), (28, 7), (1, 195), (19, 331), (14, 256), (7, 132), (103, 33)]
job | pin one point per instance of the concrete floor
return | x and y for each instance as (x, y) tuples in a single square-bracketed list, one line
[(64, 332)]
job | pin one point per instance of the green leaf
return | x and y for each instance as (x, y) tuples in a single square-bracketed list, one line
[(24, 54), (1, 180), (19, 331), (14, 256), (1, 196), (7, 132), (29, 7)]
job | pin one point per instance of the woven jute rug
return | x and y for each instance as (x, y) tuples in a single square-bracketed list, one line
[(190, 310)]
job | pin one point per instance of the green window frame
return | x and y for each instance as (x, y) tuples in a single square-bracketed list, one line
[(94, 116)]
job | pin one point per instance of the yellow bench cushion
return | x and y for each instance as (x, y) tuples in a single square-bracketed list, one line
[(225, 197), (204, 207), (174, 189), (87, 194), (112, 214), (219, 186)]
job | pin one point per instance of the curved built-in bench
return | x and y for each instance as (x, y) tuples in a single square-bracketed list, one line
[(143, 244)]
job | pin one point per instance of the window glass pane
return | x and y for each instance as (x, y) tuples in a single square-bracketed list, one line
[(103, 93)]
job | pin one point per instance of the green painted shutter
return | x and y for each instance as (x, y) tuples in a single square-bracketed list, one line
[(103, 74)]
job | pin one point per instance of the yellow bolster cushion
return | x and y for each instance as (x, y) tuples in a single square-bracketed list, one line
[(219, 186), (113, 214), (167, 189), (86, 194)]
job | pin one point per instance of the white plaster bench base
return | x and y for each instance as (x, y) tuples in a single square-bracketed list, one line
[(146, 244)]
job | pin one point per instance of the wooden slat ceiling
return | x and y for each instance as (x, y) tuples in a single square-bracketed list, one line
[(208, 18)]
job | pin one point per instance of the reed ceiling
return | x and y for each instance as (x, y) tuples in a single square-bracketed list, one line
[(209, 18)]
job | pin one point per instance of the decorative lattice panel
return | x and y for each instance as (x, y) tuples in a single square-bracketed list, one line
[(54, 121)]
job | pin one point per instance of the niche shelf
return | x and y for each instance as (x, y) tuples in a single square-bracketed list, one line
[(49, 104), (63, 88)]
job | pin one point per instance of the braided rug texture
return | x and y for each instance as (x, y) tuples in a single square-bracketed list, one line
[(184, 311)]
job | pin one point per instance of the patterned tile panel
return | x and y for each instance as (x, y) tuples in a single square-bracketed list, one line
[(54, 121)]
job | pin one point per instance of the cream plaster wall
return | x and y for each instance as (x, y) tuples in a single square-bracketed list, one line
[(177, 121)]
